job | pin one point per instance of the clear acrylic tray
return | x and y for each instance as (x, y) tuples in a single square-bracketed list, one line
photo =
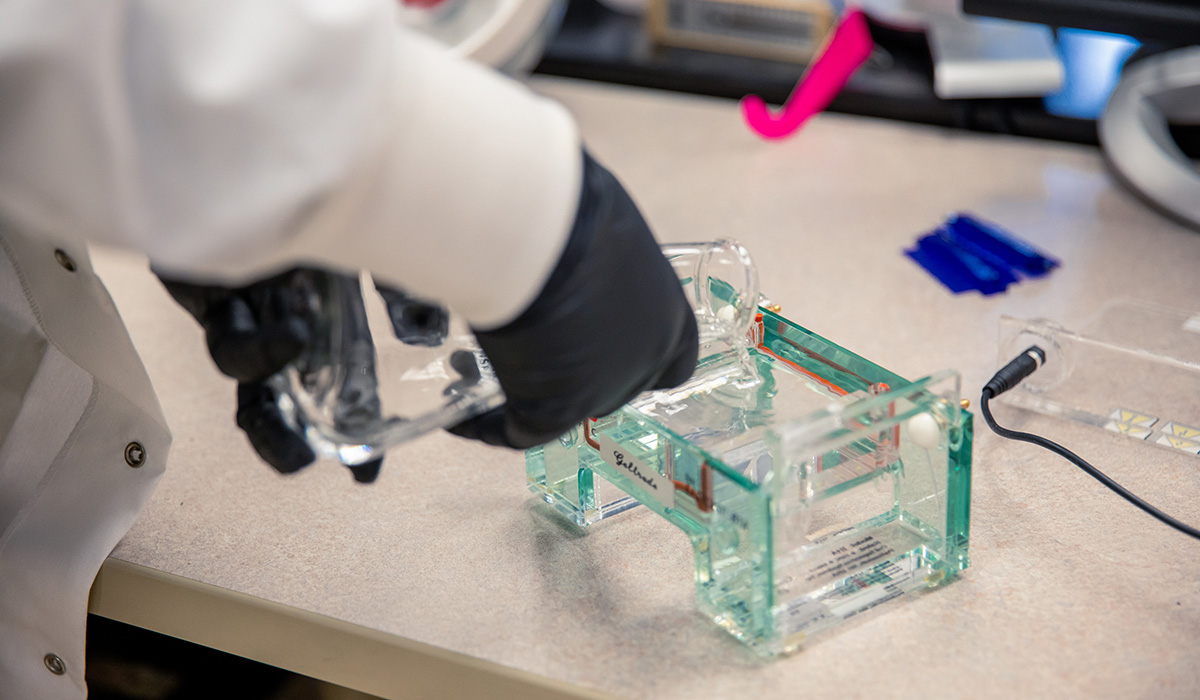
[(1133, 369), (362, 387)]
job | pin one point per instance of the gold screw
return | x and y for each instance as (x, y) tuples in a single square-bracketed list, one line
[(775, 308), (965, 403)]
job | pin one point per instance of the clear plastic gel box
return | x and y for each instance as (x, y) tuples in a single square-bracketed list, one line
[(814, 485)]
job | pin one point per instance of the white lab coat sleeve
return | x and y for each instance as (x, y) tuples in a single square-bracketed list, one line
[(228, 139)]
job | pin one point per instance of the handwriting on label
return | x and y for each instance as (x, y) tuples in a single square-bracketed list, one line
[(637, 471)]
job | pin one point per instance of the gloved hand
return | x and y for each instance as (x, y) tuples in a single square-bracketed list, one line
[(612, 321), (255, 331)]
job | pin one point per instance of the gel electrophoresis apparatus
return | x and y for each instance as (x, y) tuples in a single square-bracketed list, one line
[(813, 484)]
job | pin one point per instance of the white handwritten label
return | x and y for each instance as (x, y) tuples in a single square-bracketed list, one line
[(637, 471)]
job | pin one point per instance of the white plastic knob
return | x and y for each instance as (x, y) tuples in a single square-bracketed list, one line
[(924, 431)]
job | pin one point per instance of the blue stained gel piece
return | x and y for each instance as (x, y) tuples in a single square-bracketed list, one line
[(965, 253), (991, 275), (959, 270), (998, 247), (955, 279), (967, 247)]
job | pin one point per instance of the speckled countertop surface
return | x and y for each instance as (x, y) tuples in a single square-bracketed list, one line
[(1071, 593)]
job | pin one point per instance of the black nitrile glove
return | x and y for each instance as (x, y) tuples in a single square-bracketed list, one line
[(413, 321), (252, 333), (611, 322), (255, 331)]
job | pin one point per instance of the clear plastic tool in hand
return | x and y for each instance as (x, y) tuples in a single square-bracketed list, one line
[(384, 368)]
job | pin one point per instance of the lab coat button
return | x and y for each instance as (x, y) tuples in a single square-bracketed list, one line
[(135, 454), (55, 664)]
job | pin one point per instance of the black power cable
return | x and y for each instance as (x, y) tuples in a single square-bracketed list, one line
[(1011, 375)]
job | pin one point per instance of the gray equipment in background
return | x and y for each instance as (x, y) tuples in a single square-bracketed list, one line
[(1153, 93)]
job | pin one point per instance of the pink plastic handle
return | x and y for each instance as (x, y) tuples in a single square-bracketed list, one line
[(847, 49)]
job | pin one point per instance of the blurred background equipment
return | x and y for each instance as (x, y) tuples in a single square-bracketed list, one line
[(976, 57), (786, 30), (1167, 20), (1155, 99), (505, 34), (1136, 136)]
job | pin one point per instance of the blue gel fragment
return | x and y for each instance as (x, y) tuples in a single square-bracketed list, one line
[(999, 247), (967, 254), (947, 270), (958, 270)]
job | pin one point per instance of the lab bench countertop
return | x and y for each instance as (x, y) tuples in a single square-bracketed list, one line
[(447, 578)]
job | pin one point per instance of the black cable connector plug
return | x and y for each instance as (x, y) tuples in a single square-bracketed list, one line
[(1014, 372)]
